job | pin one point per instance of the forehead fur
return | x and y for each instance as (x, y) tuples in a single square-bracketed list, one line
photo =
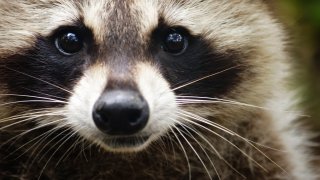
[(230, 23)]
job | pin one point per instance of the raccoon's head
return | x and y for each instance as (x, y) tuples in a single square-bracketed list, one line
[(121, 74)]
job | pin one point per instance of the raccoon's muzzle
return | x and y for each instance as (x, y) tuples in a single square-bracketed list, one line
[(121, 112)]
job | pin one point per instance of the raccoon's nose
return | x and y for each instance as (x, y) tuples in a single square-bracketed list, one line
[(121, 112)]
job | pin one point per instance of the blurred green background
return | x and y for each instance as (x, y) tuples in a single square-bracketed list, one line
[(302, 20)]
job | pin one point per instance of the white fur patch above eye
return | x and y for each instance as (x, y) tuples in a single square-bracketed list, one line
[(95, 15), (148, 13)]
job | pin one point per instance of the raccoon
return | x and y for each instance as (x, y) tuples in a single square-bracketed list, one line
[(147, 89)]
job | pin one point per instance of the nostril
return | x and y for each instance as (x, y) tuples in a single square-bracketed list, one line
[(135, 115), (121, 112), (102, 115), (101, 119)]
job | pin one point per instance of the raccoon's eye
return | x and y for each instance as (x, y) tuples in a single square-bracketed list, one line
[(175, 42), (69, 43)]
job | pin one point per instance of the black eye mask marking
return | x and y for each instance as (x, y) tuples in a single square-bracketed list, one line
[(46, 72), (197, 61)]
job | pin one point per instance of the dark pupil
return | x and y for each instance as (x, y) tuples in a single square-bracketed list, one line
[(174, 43), (70, 43)]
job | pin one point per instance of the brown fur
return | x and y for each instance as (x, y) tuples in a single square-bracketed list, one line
[(277, 147)]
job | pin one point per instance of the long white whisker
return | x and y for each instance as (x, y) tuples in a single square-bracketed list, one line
[(212, 147), (171, 143), (61, 88), (69, 136), (35, 97), (161, 146), (51, 140), (37, 112), (69, 149), (223, 138), (266, 156), (84, 148), (184, 152), (52, 131), (203, 78), (183, 100), (25, 120), (188, 133), (195, 152), (39, 140), (32, 101), (251, 143), (48, 95), (196, 117), (30, 130), (218, 126)]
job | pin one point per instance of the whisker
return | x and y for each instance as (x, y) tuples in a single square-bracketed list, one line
[(171, 143), (51, 140), (198, 118), (264, 146), (65, 139), (17, 137), (184, 152), (83, 148), (249, 142), (195, 152), (37, 145), (47, 144), (22, 121), (48, 95), (161, 146), (182, 100), (212, 147), (78, 141), (31, 101), (266, 156), (188, 133), (203, 78), (28, 75), (39, 140), (31, 96), (27, 115), (220, 127), (223, 138), (89, 146)]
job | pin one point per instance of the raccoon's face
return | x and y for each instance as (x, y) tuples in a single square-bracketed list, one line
[(121, 74)]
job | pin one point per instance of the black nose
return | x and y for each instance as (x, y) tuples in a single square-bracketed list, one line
[(121, 112)]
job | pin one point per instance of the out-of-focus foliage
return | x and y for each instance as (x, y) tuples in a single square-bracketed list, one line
[(308, 10), (302, 19)]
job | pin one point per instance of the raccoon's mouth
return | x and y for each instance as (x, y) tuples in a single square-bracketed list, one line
[(126, 143)]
